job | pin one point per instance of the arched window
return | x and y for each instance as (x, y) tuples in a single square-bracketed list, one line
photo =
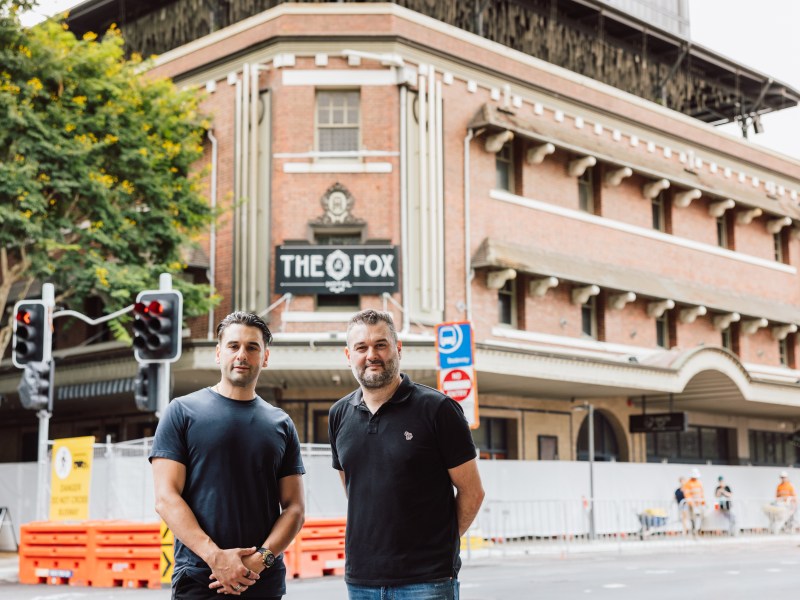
[(606, 447)]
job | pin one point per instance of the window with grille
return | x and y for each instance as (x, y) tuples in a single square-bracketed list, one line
[(338, 121)]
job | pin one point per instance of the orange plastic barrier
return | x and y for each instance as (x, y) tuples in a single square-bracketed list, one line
[(319, 548), (126, 554), (54, 553), (94, 553)]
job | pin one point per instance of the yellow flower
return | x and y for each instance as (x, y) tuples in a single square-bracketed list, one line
[(69, 127), (90, 36), (143, 151), (102, 275), (79, 100), (35, 84)]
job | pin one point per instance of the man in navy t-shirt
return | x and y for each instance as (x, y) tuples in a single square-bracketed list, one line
[(228, 476), (400, 448)]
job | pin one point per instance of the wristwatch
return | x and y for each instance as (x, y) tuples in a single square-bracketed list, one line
[(267, 557)]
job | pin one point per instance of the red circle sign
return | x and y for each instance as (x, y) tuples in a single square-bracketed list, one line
[(457, 384)]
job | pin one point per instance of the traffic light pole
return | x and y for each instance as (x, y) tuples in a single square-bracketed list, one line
[(48, 296), (165, 285)]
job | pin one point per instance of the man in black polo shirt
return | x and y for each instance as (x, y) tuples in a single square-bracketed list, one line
[(400, 448)]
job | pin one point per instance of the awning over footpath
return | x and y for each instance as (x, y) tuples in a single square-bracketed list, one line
[(499, 254), (584, 142)]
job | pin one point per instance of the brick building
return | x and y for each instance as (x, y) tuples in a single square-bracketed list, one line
[(606, 249)]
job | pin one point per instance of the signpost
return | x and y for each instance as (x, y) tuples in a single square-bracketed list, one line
[(71, 479), (456, 367), (659, 422)]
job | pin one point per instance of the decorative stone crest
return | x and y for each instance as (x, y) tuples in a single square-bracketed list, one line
[(337, 204)]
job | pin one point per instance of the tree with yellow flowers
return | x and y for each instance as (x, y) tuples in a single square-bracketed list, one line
[(97, 190)]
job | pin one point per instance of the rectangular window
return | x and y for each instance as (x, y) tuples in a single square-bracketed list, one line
[(506, 303), (726, 339), (722, 231), (491, 438), (781, 249), (548, 447), (783, 351), (589, 318), (698, 444), (586, 191), (504, 167), (772, 448), (657, 206), (337, 121), (662, 330)]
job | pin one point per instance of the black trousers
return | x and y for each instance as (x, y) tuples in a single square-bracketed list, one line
[(187, 588)]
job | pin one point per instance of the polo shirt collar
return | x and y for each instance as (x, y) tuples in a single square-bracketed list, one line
[(401, 394)]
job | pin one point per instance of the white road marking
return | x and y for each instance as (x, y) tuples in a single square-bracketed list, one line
[(731, 572), (774, 570), (659, 572), (614, 586)]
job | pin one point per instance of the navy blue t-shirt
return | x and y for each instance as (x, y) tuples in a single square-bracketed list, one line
[(402, 526), (234, 452)]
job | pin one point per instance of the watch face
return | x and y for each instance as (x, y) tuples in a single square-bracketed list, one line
[(267, 557)]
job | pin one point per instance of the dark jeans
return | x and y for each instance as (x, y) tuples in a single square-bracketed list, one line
[(187, 588), (434, 590)]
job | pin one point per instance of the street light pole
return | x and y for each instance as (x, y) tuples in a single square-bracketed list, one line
[(590, 408)]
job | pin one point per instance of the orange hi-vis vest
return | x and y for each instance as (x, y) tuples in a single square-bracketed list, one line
[(693, 492), (785, 490)]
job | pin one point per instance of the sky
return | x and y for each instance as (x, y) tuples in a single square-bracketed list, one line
[(761, 35)]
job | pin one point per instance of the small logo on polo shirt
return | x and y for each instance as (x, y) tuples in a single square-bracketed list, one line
[(408, 435)]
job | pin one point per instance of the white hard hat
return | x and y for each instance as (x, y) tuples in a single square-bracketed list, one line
[(784, 474), (695, 474)]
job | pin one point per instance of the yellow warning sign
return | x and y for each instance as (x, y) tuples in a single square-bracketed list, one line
[(167, 553), (71, 478)]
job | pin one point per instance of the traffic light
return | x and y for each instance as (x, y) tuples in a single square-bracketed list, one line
[(145, 391), (157, 326), (33, 338), (35, 385)]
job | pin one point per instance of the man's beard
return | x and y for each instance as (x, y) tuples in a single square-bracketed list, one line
[(237, 379), (374, 381)]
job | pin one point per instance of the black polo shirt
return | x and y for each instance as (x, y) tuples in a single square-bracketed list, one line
[(401, 516)]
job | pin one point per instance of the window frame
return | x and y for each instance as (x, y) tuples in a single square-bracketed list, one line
[(318, 126), (590, 307), (505, 156), (509, 292), (658, 212), (586, 201), (662, 330)]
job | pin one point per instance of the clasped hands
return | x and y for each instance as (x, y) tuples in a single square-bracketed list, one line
[(234, 570)]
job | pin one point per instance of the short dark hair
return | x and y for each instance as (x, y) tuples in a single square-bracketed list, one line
[(244, 318), (373, 317)]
